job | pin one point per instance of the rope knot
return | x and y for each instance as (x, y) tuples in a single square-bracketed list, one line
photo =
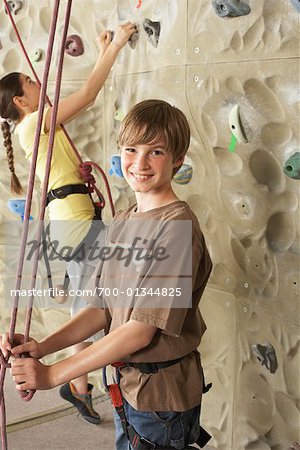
[(85, 170)]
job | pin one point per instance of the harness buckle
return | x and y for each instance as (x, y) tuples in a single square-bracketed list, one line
[(148, 444), (115, 395), (62, 192)]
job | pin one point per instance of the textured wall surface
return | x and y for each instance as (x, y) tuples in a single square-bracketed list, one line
[(246, 204)]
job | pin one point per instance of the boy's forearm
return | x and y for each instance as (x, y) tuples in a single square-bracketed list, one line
[(117, 345), (78, 329)]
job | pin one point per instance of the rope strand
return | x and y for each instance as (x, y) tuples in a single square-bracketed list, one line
[(42, 100)]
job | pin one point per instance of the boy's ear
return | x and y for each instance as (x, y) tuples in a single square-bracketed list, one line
[(178, 161)]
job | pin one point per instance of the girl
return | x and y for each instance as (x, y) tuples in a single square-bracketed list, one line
[(19, 101)]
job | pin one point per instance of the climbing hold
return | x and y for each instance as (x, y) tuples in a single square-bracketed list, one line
[(14, 6), (292, 166), (17, 206), (236, 125), (232, 144), (184, 174), (296, 4), (266, 355), (115, 166), (230, 8), (120, 115), (74, 45), (152, 30), (37, 55), (133, 39)]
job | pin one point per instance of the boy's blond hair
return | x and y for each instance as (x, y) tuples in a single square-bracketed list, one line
[(153, 120)]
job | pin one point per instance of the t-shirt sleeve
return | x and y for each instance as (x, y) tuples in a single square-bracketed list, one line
[(26, 131)]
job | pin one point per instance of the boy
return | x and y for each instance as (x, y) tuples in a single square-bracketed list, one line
[(151, 277)]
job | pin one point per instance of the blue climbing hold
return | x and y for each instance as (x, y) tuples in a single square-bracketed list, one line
[(296, 4), (17, 206), (230, 8), (184, 174), (115, 166), (292, 166)]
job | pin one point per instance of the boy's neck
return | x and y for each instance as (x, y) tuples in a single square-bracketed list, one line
[(148, 201)]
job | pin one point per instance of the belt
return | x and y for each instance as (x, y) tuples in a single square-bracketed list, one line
[(152, 367), (64, 191)]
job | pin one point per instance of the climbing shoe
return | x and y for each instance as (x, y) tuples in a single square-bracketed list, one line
[(83, 402)]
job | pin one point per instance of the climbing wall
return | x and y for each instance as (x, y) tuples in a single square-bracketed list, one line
[(233, 67)]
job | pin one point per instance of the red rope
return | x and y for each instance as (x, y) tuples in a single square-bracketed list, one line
[(85, 170)]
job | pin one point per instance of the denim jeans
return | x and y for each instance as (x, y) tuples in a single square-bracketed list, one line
[(174, 429)]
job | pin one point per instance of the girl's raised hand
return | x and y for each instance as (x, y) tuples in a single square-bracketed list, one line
[(104, 40), (123, 33)]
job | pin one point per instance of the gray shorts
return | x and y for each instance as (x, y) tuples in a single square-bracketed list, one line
[(80, 273)]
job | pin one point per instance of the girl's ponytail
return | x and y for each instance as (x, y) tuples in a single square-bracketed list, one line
[(10, 86), (15, 185)]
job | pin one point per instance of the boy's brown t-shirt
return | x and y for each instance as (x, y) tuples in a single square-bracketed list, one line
[(133, 289)]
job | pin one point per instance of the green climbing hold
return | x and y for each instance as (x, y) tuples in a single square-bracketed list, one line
[(232, 144), (292, 166)]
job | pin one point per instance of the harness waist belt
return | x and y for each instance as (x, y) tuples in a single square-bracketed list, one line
[(151, 367), (64, 191)]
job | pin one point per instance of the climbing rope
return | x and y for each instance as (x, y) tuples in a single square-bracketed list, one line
[(85, 170), (27, 395)]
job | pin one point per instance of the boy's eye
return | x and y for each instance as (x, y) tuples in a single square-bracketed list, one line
[(157, 152), (129, 150)]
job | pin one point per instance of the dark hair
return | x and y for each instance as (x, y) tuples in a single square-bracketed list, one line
[(152, 120), (10, 86)]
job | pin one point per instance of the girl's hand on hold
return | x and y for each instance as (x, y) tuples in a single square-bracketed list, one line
[(104, 40), (123, 33)]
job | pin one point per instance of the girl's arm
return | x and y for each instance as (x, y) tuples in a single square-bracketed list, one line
[(86, 95)]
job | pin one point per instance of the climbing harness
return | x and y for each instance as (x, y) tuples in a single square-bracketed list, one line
[(64, 191), (85, 170), (139, 442)]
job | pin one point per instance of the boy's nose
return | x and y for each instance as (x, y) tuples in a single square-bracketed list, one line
[(141, 162)]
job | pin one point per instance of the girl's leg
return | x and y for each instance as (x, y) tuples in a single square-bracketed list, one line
[(79, 391)]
